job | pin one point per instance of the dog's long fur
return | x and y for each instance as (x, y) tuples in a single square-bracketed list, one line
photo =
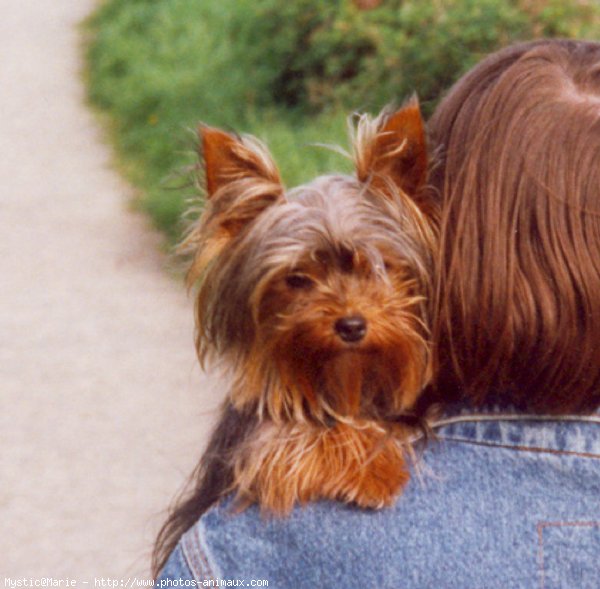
[(516, 309), (315, 301)]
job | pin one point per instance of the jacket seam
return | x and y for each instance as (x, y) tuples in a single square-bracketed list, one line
[(475, 418), (517, 448), (557, 524), (196, 557)]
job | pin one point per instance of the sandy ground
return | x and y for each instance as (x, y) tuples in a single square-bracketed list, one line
[(104, 410)]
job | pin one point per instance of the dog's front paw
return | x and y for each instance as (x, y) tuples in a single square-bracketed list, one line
[(382, 482)]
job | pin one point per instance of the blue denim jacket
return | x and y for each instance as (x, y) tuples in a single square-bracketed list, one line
[(501, 500)]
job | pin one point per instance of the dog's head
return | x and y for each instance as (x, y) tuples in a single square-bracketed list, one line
[(316, 297)]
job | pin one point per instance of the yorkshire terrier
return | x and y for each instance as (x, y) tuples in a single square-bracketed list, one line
[(315, 300)]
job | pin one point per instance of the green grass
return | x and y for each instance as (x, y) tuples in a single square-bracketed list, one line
[(158, 69)]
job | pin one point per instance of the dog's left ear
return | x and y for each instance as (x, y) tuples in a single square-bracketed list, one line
[(391, 151)]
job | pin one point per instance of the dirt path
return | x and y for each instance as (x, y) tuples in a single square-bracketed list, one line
[(103, 407)]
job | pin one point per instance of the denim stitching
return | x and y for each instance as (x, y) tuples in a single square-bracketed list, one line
[(521, 448), (508, 429), (510, 417), (196, 556), (540, 532)]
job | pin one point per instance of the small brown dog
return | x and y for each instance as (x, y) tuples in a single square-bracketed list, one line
[(315, 300)]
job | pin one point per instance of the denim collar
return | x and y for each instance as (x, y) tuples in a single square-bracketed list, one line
[(467, 412), (508, 427)]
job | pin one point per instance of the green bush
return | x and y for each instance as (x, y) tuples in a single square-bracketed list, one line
[(316, 54), (289, 72), (157, 69)]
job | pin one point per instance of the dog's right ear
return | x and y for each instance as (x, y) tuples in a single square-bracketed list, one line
[(241, 183), (241, 177), (228, 158)]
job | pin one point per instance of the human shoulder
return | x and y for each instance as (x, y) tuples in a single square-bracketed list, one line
[(176, 571), (474, 506)]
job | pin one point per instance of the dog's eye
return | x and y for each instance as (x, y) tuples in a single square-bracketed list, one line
[(298, 281), (389, 266)]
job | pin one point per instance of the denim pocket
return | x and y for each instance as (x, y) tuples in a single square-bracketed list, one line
[(569, 555)]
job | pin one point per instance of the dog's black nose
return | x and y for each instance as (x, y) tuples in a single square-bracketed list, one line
[(351, 329)]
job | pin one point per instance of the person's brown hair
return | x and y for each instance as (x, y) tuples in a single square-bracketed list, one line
[(518, 299)]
